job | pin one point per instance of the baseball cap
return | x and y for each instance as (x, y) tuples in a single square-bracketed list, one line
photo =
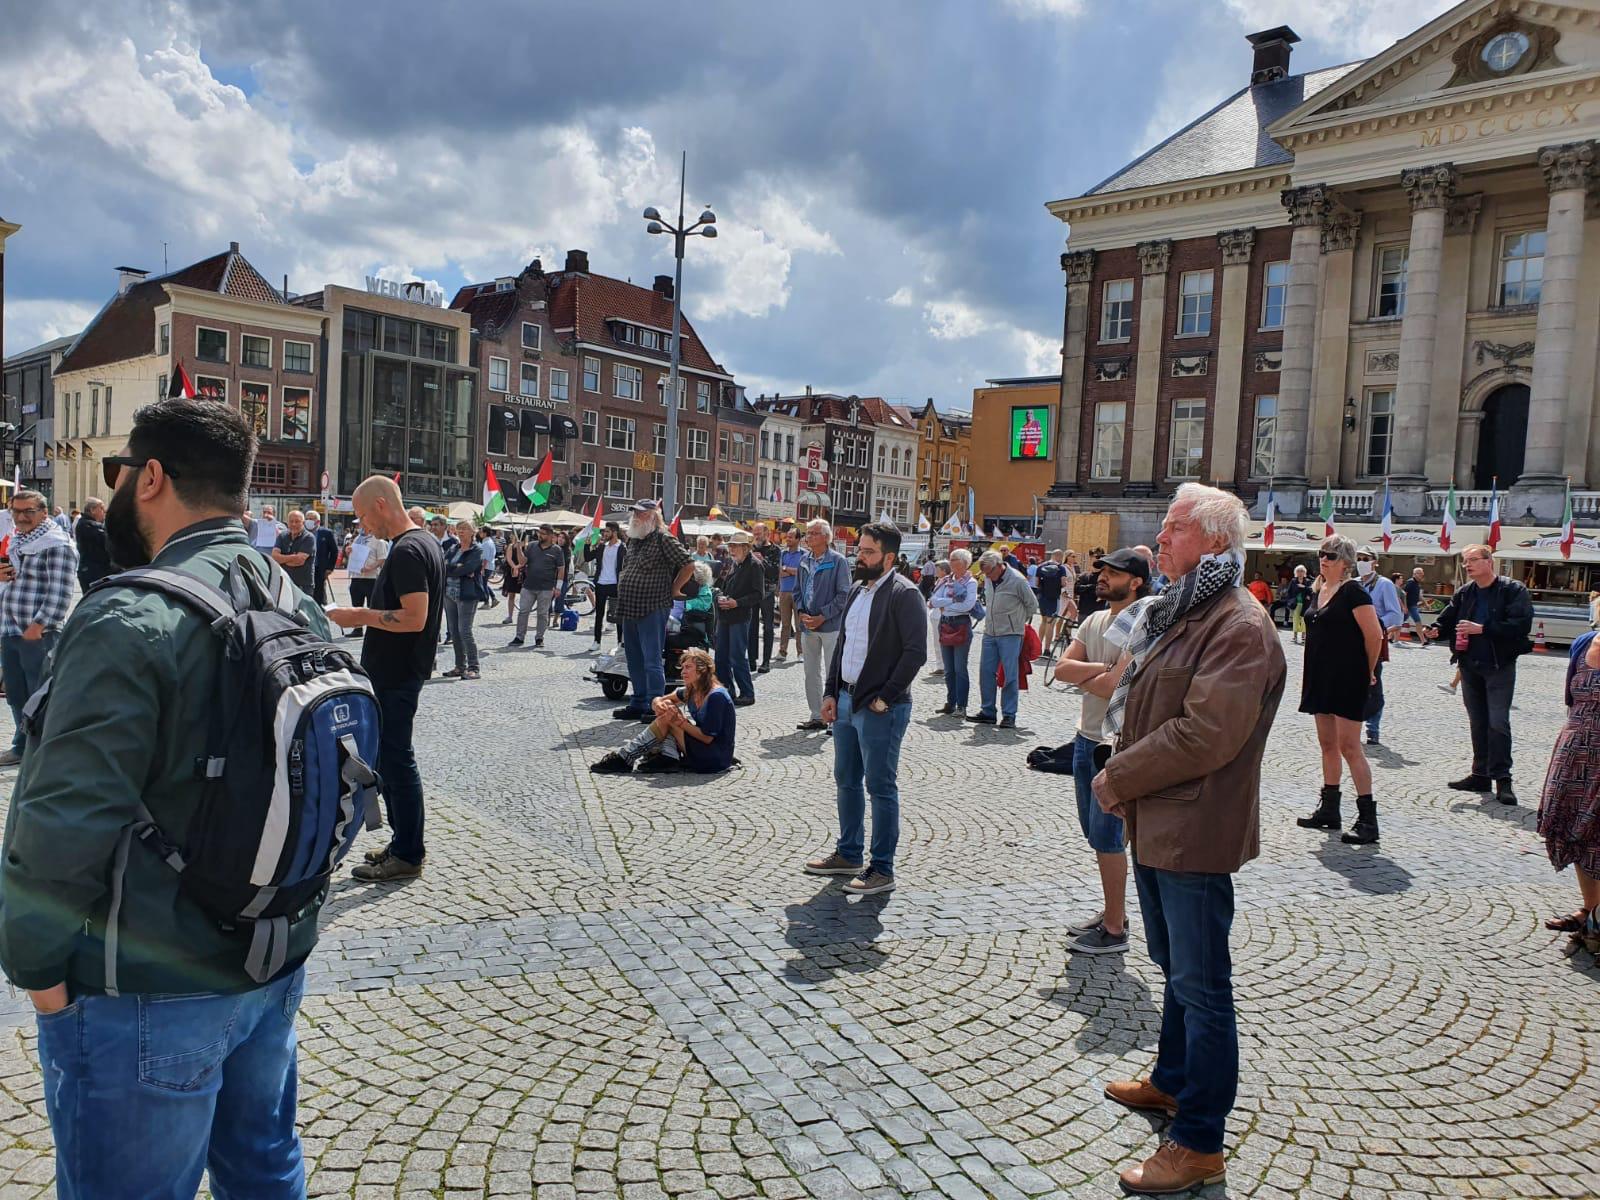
[(646, 506), (1130, 562)]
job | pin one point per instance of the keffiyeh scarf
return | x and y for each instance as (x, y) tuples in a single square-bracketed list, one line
[(1145, 622)]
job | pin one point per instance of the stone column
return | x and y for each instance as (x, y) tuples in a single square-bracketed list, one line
[(1431, 191), (1236, 246), (1079, 266), (1567, 170), (1331, 361), (1154, 259), (1450, 342), (1308, 207)]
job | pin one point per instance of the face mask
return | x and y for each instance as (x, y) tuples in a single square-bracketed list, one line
[(1364, 567), (123, 539)]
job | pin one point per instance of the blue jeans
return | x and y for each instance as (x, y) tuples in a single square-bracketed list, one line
[(145, 1092), (866, 748), (1377, 717), (397, 764), (733, 656), (1187, 918), (999, 652), (23, 663), (1102, 829), (644, 642), (957, 680)]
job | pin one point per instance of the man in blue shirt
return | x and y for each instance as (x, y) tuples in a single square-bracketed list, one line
[(788, 574), (822, 589), (1386, 600)]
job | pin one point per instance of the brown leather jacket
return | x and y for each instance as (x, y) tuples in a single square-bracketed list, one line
[(1196, 722)]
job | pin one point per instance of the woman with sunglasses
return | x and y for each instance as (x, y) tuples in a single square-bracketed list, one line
[(1343, 643)]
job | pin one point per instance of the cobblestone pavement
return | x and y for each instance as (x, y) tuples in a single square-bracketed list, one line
[(626, 987)]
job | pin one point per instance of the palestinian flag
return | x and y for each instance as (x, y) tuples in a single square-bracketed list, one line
[(537, 486), (1494, 515), (181, 385), (1327, 509), (1447, 530), (1569, 532), (676, 528), (1270, 530), (591, 533), (494, 500)]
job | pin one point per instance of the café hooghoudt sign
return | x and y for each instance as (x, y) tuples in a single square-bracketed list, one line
[(1552, 116)]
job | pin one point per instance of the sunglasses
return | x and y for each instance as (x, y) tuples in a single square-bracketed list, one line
[(1328, 555), (111, 467)]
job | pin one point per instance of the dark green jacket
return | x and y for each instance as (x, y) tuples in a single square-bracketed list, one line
[(132, 692)]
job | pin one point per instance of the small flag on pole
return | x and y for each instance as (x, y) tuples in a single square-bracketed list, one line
[(494, 500), (1569, 532), (1388, 518), (537, 486), (181, 384), (923, 524), (1494, 514), (952, 527), (1447, 530), (1327, 508), (591, 533), (1270, 530)]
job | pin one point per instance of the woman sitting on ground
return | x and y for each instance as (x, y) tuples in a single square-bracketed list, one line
[(693, 728)]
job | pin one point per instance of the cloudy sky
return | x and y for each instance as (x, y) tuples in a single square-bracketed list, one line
[(879, 169)]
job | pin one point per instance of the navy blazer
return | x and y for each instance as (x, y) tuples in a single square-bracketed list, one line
[(897, 643)]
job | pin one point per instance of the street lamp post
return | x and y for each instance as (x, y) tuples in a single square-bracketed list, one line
[(704, 227)]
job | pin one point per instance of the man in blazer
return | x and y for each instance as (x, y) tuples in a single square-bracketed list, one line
[(882, 644)]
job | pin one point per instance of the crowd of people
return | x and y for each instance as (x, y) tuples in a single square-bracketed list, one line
[(1177, 661)]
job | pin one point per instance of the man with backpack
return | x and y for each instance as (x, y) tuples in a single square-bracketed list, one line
[(171, 1051), (397, 653)]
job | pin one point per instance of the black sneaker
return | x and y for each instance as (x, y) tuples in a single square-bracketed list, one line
[(811, 726), (1008, 722), (514, 642), (537, 643), (946, 710), (1086, 925), (626, 713), (983, 719), (1372, 739), (764, 668), (745, 701), (1503, 792), (657, 764), (612, 764), (1471, 783), (1099, 941)]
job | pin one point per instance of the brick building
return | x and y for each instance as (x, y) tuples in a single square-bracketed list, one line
[(1013, 422), (619, 335), (944, 454), (240, 343), (844, 429), (527, 378), (1380, 271)]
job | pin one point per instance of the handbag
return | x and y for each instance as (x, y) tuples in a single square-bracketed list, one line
[(953, 633)]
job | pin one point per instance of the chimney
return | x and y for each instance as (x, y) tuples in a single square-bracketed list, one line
[(1273, 48), (233, 247), (128, 276), (808, 389), (578, 262), (663, 286)]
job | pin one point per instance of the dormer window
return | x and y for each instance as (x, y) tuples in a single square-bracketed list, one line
[(625, 333)]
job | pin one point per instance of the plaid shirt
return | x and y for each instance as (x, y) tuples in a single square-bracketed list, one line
[(647, 574), (42, 590)]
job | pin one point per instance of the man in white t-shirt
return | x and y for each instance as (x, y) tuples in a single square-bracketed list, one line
[(1091, 665), (606, 556)]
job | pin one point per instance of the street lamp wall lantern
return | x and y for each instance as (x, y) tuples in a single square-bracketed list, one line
[(704, 227)]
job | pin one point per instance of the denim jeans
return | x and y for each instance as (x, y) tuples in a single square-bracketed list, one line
[(1376, 719), (866, 749), (463, 638), (146, 1092), (23, 663), (733, 663), (761, 618), (1102, 830), (957, 679), (644, 642), (537, 603), (999, 652), (397, 764), (1187, 918), (1486, 691)]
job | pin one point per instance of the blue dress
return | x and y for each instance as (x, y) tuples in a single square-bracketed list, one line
[(716, 716)]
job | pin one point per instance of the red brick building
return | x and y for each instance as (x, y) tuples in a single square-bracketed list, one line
[(843, 426)]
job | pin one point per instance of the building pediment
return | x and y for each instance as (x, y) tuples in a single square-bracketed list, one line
[(1465, 60)]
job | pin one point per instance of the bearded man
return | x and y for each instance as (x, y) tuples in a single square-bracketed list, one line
[(654, 571)]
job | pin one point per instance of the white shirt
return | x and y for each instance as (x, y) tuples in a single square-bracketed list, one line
[(856, 625), (264, 533), (608, 563)]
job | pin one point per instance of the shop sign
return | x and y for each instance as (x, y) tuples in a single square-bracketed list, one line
[(416, 292)]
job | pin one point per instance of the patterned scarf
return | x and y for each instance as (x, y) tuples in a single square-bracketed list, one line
[(1214, 573)]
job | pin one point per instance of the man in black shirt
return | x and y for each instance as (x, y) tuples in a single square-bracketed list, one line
[(761, 617), (1413, 599), (402, 625), (326, 557), (296, 552), (94, 555)]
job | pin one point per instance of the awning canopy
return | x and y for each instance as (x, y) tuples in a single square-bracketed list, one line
[(1520, 544), (561, 518)]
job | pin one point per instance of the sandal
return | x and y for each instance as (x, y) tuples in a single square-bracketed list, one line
[(1571, 923)]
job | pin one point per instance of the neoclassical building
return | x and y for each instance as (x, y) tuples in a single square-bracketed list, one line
[(1385, 270)]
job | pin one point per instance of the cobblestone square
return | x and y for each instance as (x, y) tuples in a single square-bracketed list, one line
[(626, 987)]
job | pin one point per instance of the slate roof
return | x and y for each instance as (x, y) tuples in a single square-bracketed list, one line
[(821, 406), (583, 302), (1231, 137), (41, 350), (125, 327), (890, 416), (486, 306)]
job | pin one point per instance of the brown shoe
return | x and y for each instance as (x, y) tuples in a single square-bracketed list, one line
[(834, 864), (1142, 1096), (388, 870), (1173, 1168)]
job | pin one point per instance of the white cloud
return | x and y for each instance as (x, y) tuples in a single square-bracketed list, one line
[(1357, 28), (1040, 355), (949, 320), (30, 322), (1045, 8), (901, 298)]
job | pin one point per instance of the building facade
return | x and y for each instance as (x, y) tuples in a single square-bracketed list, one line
[(782, 438), (30, 406), (240, 344), (738, 433), (1013, 449), (943, 462), (1384, 272), (620, 336), (894, 462), (843, 430), (526, 382)]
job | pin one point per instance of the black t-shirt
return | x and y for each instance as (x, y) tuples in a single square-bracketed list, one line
[(415, 564), (1050, 576), (303, 576), (1413, 593)]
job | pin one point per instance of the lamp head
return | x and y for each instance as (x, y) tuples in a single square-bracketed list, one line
[(650, 214), (708, 217), (709, 231), (654, 227)]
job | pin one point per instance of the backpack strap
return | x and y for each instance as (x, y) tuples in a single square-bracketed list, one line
[(198, 595), (144, 829)]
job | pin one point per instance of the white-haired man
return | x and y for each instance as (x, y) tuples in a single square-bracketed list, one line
[(654, 573), (822, 590), (1011, 605), (1189, 720)]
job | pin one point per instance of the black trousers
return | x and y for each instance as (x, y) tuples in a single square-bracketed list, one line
[(762, 618), (1487, 692), (602, 593)]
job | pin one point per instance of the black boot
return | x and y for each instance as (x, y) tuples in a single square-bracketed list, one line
[(1365, 831), (1327, 814)]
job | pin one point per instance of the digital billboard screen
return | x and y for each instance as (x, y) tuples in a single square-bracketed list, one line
[(1030, 432)]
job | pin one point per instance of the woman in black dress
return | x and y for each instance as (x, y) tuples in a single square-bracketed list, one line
[(1343, 642)]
